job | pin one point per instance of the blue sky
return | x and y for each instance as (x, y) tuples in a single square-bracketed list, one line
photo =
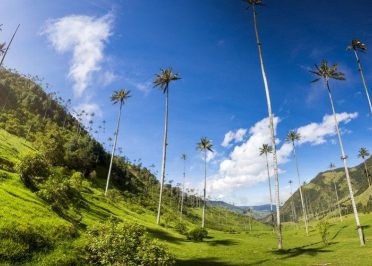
[(211, 44)]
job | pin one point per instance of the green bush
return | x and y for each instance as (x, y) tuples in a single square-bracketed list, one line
[(181, 228), (19, 241), (197, 234), (124, 244), (323, 229), (32, 168)]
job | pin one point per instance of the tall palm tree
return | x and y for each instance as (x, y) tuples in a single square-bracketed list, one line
[(332, 166), (253, 4), (356, 45), (326, 72), (266, 149), (204, 145), (364, 153), (162, 81), (292, 137), (183, 158), (118, 97), (5, 50)]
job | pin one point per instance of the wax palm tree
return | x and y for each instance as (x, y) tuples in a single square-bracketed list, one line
[(204, 145), (356, 45), (118, 97), (332, 166), (364, 153), (183, 158), (6, 49), (266, 149), (162, 81), (326, 72), (253, 4), (292, 138)]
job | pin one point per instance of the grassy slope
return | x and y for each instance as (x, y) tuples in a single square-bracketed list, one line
[(246, 248)]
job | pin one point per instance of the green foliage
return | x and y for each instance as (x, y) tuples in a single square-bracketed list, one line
[(32, 168), (181, 228), (19, 241), (197, 234), (114, 196), (127, 244), (323, 227)]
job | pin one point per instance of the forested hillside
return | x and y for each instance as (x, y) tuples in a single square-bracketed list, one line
[(52, 180), (320, 194)]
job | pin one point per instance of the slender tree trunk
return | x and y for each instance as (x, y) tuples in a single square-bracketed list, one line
[(7, 48), (272, 131), (271, 197), (338, 201), (304, 212), (165, 144), (369, 182), (363, 79), (293, 207), (113, 149), (205, 188), (183, 188), (344, 159)]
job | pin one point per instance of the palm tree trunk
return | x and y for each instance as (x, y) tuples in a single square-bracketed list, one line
[(344, 159), (304, 212), (276, 174), (363, 79), (271, 197), (205, 188), (7, 48), (183, 188), (113, 149), (369, 182), (338, 201), (165, 144)]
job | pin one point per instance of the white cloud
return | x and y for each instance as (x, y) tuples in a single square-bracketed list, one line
[(236, 137), (315, 133), (245, 167), (85, 37)]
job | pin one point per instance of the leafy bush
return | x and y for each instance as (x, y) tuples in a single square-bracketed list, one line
[(114, 196), (181, 228), (197, 234), (58, 191), (124, 244), (18, 241), (32, 168), (323, 229)]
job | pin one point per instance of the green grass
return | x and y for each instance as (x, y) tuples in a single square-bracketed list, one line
[(258, 247)]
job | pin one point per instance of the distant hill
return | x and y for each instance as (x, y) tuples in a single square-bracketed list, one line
[(320, 195)]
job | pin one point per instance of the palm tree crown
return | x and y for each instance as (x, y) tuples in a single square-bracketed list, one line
[(183, 157), (205, 145), (163, 79), (254, 2), (332, 166), (327, 72), (293, 136), (357, 45), (265, 149), (120, 96), (363, 153)]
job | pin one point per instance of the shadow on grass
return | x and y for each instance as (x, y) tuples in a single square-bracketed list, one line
[(210, 261), (338, 231), (23, 198), (163, 235), (223, 242), (303, 250)]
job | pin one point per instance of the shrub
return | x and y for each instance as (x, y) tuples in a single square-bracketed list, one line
[(114, 196), (197, 234), (323, 229), (32, 168), (181, 228), (124, 244), (18, 241)]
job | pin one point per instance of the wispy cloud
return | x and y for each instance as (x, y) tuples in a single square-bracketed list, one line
[(235, 137), (85, 37)]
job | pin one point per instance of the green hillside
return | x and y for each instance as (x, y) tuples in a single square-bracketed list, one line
[(320, 195)]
